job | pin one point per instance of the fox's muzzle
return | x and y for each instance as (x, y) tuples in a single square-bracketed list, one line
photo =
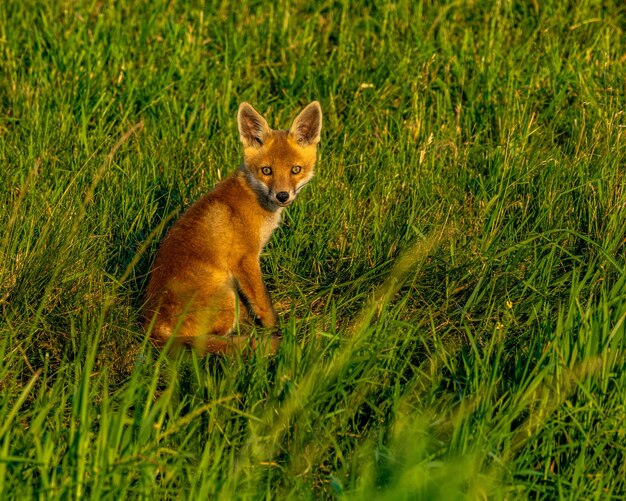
[(282, 198)]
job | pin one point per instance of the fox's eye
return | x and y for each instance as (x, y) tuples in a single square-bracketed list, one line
[(296, 169), (267, 171)]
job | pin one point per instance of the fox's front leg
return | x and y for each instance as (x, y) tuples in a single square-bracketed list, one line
[(250, 280)]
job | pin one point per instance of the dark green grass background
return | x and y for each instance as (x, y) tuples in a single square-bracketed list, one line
[(451, 284)]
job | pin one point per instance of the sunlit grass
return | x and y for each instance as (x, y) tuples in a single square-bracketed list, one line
[(450, 285)]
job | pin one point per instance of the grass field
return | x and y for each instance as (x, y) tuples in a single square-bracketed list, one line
[(451, 286)]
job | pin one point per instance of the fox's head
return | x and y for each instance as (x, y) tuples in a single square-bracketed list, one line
[(278, 163)]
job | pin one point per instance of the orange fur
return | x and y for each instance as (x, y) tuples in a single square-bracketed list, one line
[(210, 257)]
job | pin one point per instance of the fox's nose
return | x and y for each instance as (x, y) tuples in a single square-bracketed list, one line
[(282, 196)]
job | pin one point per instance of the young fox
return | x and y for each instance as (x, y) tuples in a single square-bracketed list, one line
[(210, 257)]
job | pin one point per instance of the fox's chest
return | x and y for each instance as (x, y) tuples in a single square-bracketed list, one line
[(268, 226)]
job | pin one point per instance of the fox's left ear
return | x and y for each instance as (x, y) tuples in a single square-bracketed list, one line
[(307, 126)]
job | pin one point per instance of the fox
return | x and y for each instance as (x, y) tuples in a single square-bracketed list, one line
[(206, 274)]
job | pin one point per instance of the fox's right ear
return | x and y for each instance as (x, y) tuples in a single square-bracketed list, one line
[(252, 126)]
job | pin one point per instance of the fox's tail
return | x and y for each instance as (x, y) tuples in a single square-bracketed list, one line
[(211, 343)]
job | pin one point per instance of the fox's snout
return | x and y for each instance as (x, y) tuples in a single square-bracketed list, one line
[(282, 191)]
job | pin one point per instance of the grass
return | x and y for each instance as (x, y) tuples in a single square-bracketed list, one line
[(451, 285)]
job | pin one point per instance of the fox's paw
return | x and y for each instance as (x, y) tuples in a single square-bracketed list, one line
[(269, 319), (268, 346)]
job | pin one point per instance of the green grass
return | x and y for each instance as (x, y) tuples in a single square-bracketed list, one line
[(451, 285)]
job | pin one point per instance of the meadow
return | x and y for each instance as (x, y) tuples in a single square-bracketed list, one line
[(451, 285)]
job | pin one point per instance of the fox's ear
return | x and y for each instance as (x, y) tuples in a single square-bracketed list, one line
[(252, 126), (307, 126)]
